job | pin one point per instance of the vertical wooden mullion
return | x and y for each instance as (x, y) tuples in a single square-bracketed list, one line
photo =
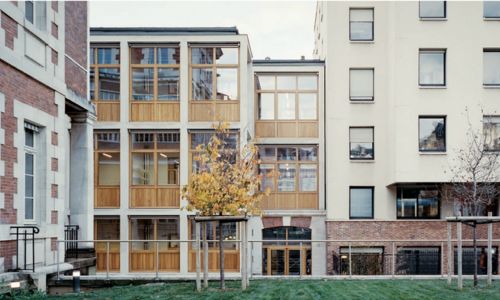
[(155, 87), (155, 162)]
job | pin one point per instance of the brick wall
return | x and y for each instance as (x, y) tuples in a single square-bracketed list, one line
[(388, 231), (76, 46), (15, 84), (10, 26), (8, 251)]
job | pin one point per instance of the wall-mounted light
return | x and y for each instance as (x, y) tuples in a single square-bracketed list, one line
[(107, 155), (15, 284), (163, 155)]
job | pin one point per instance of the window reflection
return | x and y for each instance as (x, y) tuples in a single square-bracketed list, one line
[(109, 84), (491, 131), (108, 56), (168, 56), (202, 56), (227, 84), (142, 56), (432, 70), (168, 84), (361, 142), (202, 84), (142, 83), (286, 106), (266, 106), (432, 134), (418, 203), (286, 177)]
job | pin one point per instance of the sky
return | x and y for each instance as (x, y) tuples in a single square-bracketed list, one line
[(278, 29)]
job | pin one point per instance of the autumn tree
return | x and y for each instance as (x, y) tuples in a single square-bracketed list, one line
[(226, 182), (474, 186)]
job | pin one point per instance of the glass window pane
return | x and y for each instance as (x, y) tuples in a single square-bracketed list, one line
[(109, 168), (428, 204), (287, 153), (491, 67), (29, 164), (142, 229), (266, 106), (202, 56), (432, 134), (286, 82), (28, 209), (361, 15), (286, 106), (361, 84), (168, 168), (107, 229), (168, 84), (109, 84), (308, 153), (491, 131), (307, 107), (361, 143), (142, 55), (143, 169), (432, 68), (29, 11), (361, 31), (108, 56), (286, 177), (432, 9), (92, 83), (200, 138), (28, 185), (142, 83), (108, 140), (308, 82), (267, 176), (168, 140), (265, 82), (308, 178), (202, 84), (167, 229), (41, 14), (267, 153), (491, 9), (226, 55), (407, 203), (168, 56), (361, 202), (142, 141), (29, 137), (227, 84)]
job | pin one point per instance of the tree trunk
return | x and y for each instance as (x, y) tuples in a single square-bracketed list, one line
[(221, 258), (475, 254)]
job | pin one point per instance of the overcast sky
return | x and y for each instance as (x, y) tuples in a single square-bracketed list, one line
[(283, 29)]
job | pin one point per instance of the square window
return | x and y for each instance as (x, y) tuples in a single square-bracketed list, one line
[(491, 67), (361, 84), (361, 202), (432, 134), (361, 24), (432, 9), (491, 9), (361, 145), (432, 67)]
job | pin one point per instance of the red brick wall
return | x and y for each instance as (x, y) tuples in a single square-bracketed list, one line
[(55, 58), (76, 46), (54, 164), (55, 6), (53, 244), (14, 84), (54, 191), (53, 217), (272, 221), (8, 250), (10, 26), (55, 30), (54, 138), (388, 231), (304, 222)]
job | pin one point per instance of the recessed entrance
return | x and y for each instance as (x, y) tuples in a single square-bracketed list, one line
[(286, 256)]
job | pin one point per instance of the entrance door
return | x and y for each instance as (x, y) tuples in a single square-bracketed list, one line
[(286, 260)]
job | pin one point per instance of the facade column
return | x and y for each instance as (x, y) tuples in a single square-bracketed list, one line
[(81, 202)]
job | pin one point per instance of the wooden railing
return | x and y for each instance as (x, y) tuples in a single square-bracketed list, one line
[(155, 111), (107, 197), (286, 129), (285, 201), (214, 110), (152, 197)]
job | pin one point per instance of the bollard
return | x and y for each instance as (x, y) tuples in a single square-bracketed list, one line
[(76, 281)]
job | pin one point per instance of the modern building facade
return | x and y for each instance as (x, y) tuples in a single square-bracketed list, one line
[(46, 130), (404, 80)]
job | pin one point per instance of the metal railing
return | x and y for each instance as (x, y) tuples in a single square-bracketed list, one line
[(345, 258), (25, 233)]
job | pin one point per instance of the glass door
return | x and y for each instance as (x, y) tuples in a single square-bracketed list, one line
[(277, 260)]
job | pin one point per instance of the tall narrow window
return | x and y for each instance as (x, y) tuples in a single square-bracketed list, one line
[(107, 181), (491, 9), (491, 67), (432, 134), (432, 9), (361, 143), (105, 81), (432, 67), (35, 12), (361, 202), (29, 11), (361, 84), (491, 131), (30, 132), (361, 24)]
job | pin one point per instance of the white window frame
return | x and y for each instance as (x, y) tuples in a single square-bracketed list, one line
[(31, 150), (37, 5)]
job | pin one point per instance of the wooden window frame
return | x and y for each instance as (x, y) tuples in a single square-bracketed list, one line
[(214, 103), (112, 107), (297, 164), (277, 123), (156, 152), (101, 247), (97, 186)]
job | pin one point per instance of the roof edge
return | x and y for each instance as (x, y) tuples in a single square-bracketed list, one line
[(163, 30)]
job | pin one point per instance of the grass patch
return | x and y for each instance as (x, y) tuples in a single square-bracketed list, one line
[(294, 289)]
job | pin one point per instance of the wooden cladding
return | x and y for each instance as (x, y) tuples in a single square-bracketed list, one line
[(102, 263), (145, 261), (160, 111), (295, 129), (107, 197), (231, 260), (277, 201), (144, 197), (208, 111), (107, 169)]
